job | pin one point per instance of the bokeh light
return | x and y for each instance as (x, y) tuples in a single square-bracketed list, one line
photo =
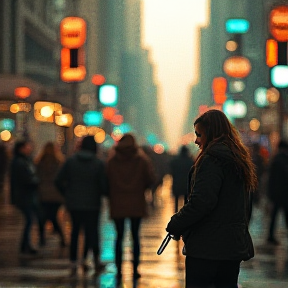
[(254, 124), (5, 135), (273, 95), (80, 131)]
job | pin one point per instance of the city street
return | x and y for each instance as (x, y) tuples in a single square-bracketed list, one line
[(50, 268)]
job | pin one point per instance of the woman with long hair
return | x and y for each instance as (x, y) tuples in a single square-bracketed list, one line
[(48, 163), (213, 223)]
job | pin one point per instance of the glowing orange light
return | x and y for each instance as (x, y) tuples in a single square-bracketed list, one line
[(64, 120), (271, 52), (72, 32), (158, 148), (117, 119), (278, 23), (219, 98), (108, 113), (98, 79), (219, 85), (68, 73), (22, 92), (80, 131), (237, 67)]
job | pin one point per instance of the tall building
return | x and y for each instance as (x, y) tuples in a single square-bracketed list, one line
[(29, 45), (214, 53), (30, 56)]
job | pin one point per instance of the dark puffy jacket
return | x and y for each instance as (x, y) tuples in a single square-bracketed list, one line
[(23, 182), (214, 221), (82, 181), (278, 180)]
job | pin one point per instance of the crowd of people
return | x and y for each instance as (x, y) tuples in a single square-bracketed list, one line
[(214, 193)]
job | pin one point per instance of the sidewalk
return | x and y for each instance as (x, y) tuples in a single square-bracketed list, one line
[(267, 270)]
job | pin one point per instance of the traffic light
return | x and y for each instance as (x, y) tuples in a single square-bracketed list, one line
[(73, 37)]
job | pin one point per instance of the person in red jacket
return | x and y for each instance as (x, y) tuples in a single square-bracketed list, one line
[(130, 173)]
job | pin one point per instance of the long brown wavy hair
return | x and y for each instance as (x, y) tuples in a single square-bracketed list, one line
[(218, 129)]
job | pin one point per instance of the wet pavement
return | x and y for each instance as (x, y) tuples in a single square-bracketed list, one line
[(50, 268)]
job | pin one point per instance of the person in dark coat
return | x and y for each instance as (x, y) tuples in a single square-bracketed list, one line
[(47, 164), (82, 182), (180, 166), (278, 188), (24, 195), (130, 173), (214, 222)]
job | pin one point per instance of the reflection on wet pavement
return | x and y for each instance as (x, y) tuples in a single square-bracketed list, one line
[(50, 268)]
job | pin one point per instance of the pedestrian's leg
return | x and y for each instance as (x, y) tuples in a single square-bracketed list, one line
[(273, 218), (76, 225), (25, 246), (94, 242), (54, 207), (227, 274), (176, 203), (286, 217), (200, 273), (119, 225), (88, 238), (39, 215), (135, 227)]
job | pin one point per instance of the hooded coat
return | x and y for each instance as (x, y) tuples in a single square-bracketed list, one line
[(214, 221), (130, 173), (82, 182)]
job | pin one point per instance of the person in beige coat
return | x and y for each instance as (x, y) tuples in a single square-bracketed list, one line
[(130, 173)]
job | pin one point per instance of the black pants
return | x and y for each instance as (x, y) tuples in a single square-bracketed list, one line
[(203, 273), (275, 211), (31, 213), (135, 227), (89, 221), (50, 211)]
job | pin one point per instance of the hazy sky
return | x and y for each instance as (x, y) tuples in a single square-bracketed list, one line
[(170, 32)]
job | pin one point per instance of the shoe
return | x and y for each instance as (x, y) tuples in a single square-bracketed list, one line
[(273, 241)]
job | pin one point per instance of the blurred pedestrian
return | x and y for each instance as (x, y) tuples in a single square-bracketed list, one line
[(24, 195), (130, 173), (160, 162), (48, 164), (180, 166), (214, 222), (82, 182), (278, 188)]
